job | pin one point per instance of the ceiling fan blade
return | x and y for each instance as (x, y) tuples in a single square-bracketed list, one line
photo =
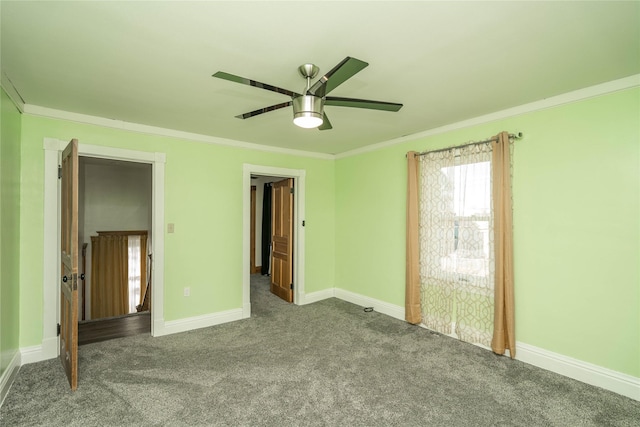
[(346, 69), (362, 103), (245, 81), (263, 110), (326, 124)]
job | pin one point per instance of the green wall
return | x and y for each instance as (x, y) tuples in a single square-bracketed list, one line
[(203, 198), (9, 230), (576, 223), (576, 189)]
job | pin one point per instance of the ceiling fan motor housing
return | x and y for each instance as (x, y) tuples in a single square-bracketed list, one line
[(306, 108)]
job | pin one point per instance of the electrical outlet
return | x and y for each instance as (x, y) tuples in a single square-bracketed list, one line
[(170, 227), (187, 291)]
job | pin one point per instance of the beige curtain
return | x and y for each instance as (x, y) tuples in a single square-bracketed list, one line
[(109, 276), (504, 318), (412, 292)]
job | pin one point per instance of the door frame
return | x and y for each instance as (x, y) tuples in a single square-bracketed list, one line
[(298, 176), (52, 234)]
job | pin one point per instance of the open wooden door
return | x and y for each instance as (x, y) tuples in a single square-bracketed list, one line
[(69, 256), (282, 241)]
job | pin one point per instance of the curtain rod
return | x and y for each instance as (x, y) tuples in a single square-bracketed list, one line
[(511, 136)]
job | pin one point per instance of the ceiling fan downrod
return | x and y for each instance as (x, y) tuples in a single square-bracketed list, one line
[(308, 71)]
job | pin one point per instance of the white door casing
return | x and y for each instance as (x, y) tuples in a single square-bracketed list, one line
[(298, 176)]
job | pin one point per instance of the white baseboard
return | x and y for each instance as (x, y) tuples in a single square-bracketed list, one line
[(598, 376), (32, 354), (312, 297), (9, 375), (383, 307), (37, 353), (197, 322)]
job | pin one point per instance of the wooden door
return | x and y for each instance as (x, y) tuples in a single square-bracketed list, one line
[(69, 269), (282, 241)]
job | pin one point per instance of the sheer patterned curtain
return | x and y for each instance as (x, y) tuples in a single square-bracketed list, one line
[(143, 271), (456, 243), (135, 276)]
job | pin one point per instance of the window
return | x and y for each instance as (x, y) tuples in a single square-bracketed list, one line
[(135, 275), (471, 217), (456, 243), (459, 242)]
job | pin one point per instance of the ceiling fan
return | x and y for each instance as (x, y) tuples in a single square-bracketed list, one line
[(308, 107)]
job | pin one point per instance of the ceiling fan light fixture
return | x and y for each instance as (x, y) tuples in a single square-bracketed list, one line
[(307, 111), (308, 120)]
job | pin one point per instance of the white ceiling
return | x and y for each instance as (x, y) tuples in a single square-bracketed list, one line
[(151, 62)]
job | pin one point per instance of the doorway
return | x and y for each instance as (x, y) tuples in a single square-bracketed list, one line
[(272, 236), (276, 174), (51, 260), (114, 231)]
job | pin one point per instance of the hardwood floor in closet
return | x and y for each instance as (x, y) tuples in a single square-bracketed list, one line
[(116, 327)]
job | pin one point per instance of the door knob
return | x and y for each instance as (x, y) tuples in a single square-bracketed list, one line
[(64, 279)]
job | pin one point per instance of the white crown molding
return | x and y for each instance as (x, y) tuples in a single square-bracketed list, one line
[(35, 110), (566, 98), (554, 101)]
